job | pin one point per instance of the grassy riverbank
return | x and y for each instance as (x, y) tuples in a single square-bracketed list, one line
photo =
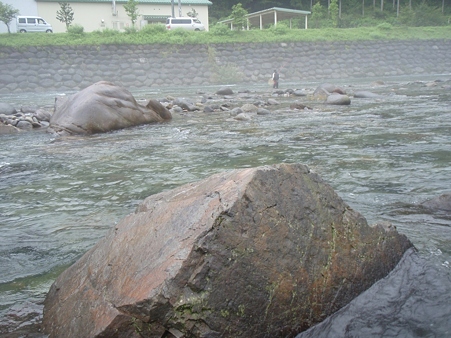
[(154, 34)]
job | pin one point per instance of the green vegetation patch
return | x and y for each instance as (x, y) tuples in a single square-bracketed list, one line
[(157, 34)]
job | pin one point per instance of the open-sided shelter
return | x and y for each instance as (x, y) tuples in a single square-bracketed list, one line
[(271, 16)]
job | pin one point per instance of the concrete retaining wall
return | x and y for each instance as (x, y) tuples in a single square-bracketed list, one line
[(137, 66)]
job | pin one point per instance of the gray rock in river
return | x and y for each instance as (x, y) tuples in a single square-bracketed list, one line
[(225, 91), (338, 99), (102, 107), (28, 109), (24, 125), (442, 202), (263, 111), (257, 252), (272, 102), (300, 92), (185, 104), (43, 115), (7, 109), (236, 111)]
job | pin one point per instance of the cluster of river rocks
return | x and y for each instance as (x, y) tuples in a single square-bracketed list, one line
[(239, 105), (24, 119)]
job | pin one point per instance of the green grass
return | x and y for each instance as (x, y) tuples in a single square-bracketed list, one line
[(157, 34)]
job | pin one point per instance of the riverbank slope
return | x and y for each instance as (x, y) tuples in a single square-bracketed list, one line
[(42, 69)]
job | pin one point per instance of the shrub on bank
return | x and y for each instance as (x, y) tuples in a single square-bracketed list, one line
[(76, 29)]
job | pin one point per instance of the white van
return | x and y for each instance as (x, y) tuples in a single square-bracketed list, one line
[(186, 23), (33, 24)]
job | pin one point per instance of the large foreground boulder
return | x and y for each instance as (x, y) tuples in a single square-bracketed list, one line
[(103, 107), (259, 252)]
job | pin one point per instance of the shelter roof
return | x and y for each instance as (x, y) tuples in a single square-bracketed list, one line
[(267, 15)]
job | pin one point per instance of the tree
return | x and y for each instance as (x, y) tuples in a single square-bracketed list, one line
[(65, 14), (192, 14), (333, 13), (319, 13), (131, 8), (7, 13), (239, 16)]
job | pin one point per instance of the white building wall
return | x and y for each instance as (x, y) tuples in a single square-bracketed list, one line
[(90, 15), (26, 7)]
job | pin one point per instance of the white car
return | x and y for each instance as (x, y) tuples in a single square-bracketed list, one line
[(186, 23), (33, 24)]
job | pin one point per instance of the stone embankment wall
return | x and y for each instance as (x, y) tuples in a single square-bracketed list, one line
[(139, 66)]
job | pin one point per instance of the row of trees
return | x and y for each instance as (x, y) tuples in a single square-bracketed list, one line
[(350, 13), (221, 8)]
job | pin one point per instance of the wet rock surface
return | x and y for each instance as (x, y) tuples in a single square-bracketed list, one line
[(389, 308), (259, 252)]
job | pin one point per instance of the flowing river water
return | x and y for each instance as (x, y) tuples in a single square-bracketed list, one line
[(383, 156)]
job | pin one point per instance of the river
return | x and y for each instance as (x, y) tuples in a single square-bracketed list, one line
[(383, 156)]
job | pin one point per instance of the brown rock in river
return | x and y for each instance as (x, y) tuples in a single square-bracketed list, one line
[(326, 89), (259, 252), (103, 107)]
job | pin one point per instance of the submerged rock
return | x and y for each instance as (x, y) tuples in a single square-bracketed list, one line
[(364, 94), (258, 252), (102, 107), (225, 91), (442, 202)]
